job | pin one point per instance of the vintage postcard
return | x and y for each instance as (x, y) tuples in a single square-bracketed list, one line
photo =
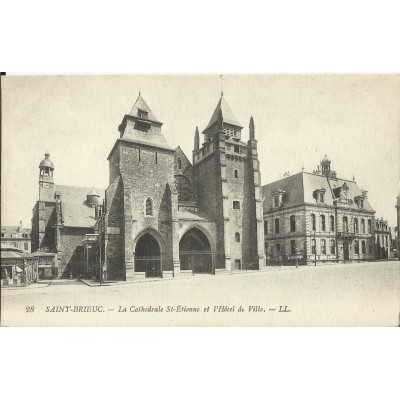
[(200, 200)]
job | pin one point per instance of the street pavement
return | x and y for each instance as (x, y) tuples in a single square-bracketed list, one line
[(356, 294)]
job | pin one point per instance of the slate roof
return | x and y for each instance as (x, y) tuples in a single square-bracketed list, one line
[(76, 194), (353, 191), (9, 230), (151, 137), (132, 124), (74, 210), (78, 215), (140, 104), (227, 115), (299, 189)]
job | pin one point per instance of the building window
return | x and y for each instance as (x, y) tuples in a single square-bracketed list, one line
[(332, 223), (236, 173), (278, 249), (143, 114), (156, 158), (265, 228), (276, 201), (236, 148), (313, 246), (266, 248), (293, 247), (369, 226), (149, 207), (25, 246), (333, 246), (276, 225), (363, 225), (361, 203), (323, 246), (313, 223), (363, 246), (356, 247), (236, 205), (345, 224), (14, 244), (237, 237), (292, 223), (179, 163), (355, 225), (323, 225), (2, 235), (322, 197), (369, 246)]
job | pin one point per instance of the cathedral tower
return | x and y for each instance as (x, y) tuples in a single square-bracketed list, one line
[(141, 201), (226, 174)]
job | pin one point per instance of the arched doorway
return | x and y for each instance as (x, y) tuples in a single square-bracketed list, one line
[(195, 252), (148, 256)]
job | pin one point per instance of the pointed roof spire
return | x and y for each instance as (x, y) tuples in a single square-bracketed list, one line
[(141, 110), (252, 128), (227, 115), (196, 139)]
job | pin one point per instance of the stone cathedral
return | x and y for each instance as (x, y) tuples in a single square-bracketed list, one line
[(162, 214)]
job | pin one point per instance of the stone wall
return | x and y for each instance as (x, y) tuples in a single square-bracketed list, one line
[(71, 260)]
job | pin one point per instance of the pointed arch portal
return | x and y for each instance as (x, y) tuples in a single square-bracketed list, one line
[(148, 256), (195, 252)]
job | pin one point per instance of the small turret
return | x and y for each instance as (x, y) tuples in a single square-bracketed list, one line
[(92, 198), (46, 182), (326, 165), (46, 168)]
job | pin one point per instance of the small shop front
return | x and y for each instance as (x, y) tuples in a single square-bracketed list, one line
[(46, 264), (17, 268)]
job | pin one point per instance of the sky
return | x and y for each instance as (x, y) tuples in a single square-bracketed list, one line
[(353, 119)]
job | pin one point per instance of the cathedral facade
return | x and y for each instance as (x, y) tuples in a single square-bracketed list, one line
[(165, 215), (162, 214)]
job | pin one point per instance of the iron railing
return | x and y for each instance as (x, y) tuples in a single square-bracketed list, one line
[(151, 265)]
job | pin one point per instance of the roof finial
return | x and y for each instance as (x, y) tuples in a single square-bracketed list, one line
[(222, 85), (302, 168), (139, 92), (354, 178)]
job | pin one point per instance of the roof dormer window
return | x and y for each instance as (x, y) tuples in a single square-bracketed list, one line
[(359, 200), (277, 198), (143, 113), (319, 195)]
